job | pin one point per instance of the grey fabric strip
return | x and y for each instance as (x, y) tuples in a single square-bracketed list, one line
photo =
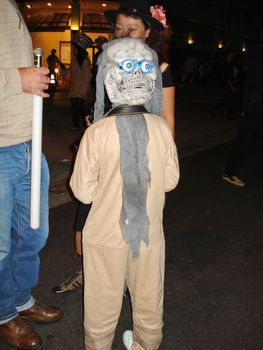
[(136, 176)]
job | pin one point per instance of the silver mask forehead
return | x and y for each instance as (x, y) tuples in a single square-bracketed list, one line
[(130, 72)]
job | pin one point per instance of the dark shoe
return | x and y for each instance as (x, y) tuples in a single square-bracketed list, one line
[(75, 281), (19, 334), (72, 283), (233, 180), (39, 313)]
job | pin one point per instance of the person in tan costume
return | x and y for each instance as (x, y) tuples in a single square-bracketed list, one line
[(133, 19), (125, 164)]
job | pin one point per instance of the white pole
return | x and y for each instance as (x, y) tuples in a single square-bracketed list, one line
[(36, 151)]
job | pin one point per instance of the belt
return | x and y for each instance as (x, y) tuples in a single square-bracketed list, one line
[(122, 110)]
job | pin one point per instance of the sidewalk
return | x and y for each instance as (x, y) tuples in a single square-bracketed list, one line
[(195, 131)]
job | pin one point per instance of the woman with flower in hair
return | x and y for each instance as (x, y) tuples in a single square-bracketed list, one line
[(137, 19)]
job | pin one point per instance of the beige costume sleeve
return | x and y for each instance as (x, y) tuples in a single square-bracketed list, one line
[(171, 167), (85, 175)]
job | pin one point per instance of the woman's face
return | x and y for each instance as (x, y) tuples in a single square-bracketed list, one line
[(127, 26)]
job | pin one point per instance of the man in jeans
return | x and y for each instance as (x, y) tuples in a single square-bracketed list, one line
[(19, 244)]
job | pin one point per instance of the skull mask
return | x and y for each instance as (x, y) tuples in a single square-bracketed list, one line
[(131, 74)]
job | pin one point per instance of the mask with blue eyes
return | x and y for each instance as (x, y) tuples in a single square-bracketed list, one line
[(129, 66), (131, 74)]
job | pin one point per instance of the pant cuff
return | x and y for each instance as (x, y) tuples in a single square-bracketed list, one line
[(7, 320), (99, 341), (145, 338), (27, 305)]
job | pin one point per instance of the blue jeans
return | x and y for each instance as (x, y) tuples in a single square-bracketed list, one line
[(19, 244)]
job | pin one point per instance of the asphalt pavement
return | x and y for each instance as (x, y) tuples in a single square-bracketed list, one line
[(213, 230)]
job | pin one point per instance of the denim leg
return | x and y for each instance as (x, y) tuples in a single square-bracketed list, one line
[(7, 308), (19, 244)]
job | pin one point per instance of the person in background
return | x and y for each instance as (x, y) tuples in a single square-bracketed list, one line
[(53, 62), (80, 87), (251, 124), (228, 87), (240, 75), (190, 66), (80, 81), (19, 243), (133, 19), (119, 170), (100, 40)]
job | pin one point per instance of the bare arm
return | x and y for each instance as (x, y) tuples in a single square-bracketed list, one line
[(168, 111)]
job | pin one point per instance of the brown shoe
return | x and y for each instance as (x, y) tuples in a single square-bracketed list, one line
[(39, 313), (19, 334)]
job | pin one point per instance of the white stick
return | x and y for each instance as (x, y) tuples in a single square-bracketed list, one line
[(36, 152)]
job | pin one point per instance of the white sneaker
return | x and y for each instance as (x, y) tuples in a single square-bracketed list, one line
[(127, 339)]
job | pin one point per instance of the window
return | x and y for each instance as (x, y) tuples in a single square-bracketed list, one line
[(93, 22), (57, 22)]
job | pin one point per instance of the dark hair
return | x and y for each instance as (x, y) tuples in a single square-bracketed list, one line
[(155, 42), (145, 23)]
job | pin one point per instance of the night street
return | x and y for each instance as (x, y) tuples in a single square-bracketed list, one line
[(65, 64), (213, 230)]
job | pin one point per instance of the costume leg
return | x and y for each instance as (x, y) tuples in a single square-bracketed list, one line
[(104, 276), (145, 279), (75, 281)]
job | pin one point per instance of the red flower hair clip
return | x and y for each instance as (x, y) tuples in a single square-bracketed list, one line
[(158, 13)]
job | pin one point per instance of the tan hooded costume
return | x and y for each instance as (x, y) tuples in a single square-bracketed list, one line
[(98, 178)]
